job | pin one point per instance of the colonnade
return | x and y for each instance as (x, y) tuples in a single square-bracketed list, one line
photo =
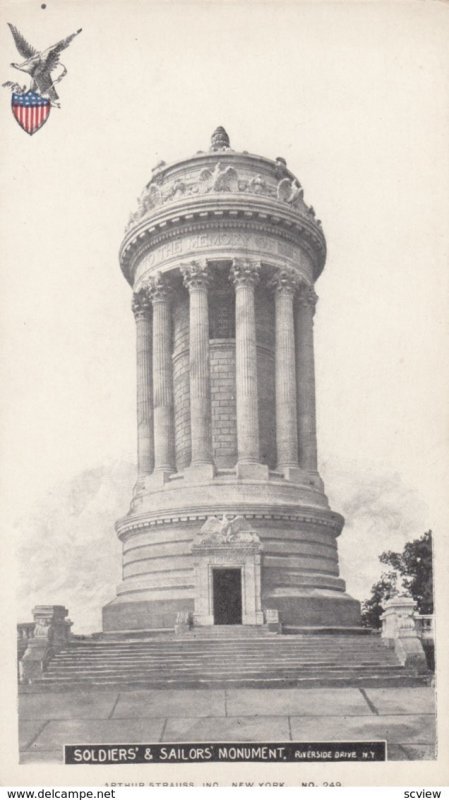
[(294, 369)]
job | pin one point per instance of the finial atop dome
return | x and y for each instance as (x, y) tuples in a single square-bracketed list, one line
[(220, 139)]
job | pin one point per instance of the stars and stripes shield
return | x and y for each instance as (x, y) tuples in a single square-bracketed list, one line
[(30, 110)]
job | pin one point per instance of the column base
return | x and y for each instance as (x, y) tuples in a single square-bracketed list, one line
[(199, 472), (157, 480), (258, 472), (203, 619), (314, 479), (314, 609), (254, 618), (293, 474)]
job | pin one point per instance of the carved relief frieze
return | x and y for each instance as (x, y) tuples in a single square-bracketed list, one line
[(223, 177), (226, 531)]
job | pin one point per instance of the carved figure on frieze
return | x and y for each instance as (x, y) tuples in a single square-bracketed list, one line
[(281, 168), (151, 197), (284, 189), (221, 179), (178, 190), (257, 185), (225, 179), (291, 192), (227, 530), (310, 211), (297, 192)]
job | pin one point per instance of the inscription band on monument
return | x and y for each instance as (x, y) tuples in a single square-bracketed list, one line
[(207, 240)]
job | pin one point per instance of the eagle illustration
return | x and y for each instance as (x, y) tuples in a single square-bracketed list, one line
[(40, 65)]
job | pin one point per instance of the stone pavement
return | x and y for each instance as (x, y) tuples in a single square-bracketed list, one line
[(405, 717)]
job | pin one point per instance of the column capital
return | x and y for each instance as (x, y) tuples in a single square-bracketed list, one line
[(157, 287), (244, 272), (284, 280), (307, 297), (195, 275), (141, 306)]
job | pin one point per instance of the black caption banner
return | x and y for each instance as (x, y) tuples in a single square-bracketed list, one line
[(195, 752)]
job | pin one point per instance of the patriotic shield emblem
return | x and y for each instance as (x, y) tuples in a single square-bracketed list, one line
[(30, 110)]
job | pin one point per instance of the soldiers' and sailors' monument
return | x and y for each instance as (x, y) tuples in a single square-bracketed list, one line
[(229, 523)]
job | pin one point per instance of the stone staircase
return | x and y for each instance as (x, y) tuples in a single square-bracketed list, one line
[(267, 660)]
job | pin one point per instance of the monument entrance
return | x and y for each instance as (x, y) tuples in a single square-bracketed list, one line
[(227, 592)]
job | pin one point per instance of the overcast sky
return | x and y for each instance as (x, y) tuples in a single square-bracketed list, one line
[(355, 97)]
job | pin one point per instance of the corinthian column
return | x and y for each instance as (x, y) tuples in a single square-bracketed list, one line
[(245, 275), (141, 307), (285, 284), (164, 438), (305, 377), (196, 280)]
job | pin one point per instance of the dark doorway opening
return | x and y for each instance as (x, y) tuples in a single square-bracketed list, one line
[(227, 585)]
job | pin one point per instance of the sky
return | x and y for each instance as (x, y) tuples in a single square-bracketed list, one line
[(355, 97)]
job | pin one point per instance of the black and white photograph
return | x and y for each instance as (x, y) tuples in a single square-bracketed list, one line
[(225, 393)]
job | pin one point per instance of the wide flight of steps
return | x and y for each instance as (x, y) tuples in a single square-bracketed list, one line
[(259, 661)]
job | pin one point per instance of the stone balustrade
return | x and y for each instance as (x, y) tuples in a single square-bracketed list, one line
[(424, 626), (49, 633), (399, 631)]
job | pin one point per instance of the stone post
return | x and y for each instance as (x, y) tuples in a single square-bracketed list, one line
[(196, 280), (141, 307), (305, 379), (245, 275), (51, 633), (164, 436), (399, 631), (285, 284)]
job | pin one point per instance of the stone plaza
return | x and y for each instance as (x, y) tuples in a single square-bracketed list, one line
[(404, 717)]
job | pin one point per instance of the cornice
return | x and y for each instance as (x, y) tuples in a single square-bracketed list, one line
[(261, 218), (204, 158), (321, 518)]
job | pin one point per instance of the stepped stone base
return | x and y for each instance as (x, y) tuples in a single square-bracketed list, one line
[(335, 610), (303, 611), (130, 615), (264, 659)]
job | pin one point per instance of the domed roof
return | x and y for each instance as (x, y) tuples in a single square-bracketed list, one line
[(222, 181)]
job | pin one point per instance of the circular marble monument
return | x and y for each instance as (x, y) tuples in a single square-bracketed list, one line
[(229, 522)]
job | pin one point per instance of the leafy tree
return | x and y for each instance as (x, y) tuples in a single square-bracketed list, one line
[(380, 592), (414, 567)]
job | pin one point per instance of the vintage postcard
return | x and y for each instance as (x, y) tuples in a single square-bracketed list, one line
[(225, 393)]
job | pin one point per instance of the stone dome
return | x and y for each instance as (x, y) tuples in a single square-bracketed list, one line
[(221, 181)]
